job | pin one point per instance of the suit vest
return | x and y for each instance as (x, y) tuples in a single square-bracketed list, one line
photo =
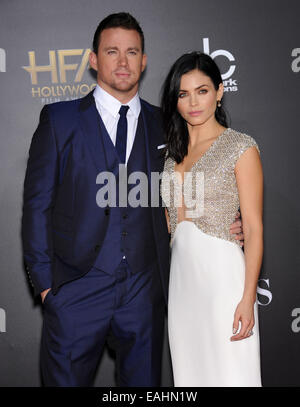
[(129, 231)]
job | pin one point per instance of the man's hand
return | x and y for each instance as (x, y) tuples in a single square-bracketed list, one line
[(44, 293), (237, 229)]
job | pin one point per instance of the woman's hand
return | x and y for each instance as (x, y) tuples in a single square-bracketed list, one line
[(244, 313)]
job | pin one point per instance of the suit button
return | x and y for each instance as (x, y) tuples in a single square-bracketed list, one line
[(106, 211), (97, 248), (124, 233), (125, 216)]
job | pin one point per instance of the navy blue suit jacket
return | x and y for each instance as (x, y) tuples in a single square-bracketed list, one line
[(61, 219)]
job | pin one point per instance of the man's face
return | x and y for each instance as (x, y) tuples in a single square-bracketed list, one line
[(119, 62)]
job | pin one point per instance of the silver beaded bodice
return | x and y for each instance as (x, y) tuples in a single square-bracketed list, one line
[(214, 174)]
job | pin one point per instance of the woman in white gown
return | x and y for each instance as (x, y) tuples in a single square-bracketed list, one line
[(210, 172)]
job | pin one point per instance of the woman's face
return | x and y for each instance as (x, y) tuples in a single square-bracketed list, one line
[(197, 99)]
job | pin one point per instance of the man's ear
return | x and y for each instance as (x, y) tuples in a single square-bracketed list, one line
[(93, 61), (144, 62)]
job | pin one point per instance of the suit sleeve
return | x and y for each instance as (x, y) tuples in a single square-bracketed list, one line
[(39, 195)]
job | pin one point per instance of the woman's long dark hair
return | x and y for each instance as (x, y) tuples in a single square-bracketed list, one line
[(175, 126)]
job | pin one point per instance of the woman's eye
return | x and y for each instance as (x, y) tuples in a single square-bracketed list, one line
[(203, 91), (181, 95)]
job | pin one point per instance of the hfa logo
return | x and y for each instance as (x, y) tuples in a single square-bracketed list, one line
[(58, 72), (2, 60), (230, 85), (296, 62), (2, 320)]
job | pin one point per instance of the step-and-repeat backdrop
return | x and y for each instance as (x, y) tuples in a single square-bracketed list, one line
[(44, 48)]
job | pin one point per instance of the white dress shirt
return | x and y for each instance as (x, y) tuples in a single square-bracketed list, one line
[(108, 108)]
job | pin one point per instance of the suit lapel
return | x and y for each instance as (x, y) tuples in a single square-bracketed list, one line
[(137, 147), (89, 122), (153, 138)]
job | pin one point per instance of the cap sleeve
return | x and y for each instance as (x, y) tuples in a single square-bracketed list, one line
[(244, 144)]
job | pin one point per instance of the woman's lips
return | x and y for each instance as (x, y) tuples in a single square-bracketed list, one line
[(195, 113)]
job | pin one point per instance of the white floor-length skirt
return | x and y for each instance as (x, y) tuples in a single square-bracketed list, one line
[(206, 284)]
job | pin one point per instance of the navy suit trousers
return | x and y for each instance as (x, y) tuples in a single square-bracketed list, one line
[(125, 309)]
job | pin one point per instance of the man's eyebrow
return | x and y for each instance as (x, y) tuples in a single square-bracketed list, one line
[(107, 48), (128, 49), (198, 87)]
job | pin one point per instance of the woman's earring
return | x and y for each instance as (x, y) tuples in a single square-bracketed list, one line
[(219, 103)]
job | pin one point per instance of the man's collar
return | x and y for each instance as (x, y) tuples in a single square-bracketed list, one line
[(113, 105)]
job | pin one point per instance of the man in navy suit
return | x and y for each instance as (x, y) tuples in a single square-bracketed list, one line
[(102, 271)]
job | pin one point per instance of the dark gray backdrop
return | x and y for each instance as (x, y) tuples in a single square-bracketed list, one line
[(261, 39)]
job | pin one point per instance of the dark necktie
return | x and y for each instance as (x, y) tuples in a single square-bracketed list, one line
[(121, 139)]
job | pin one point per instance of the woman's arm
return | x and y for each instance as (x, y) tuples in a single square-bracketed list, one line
[(168, 220), (249, 177)]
